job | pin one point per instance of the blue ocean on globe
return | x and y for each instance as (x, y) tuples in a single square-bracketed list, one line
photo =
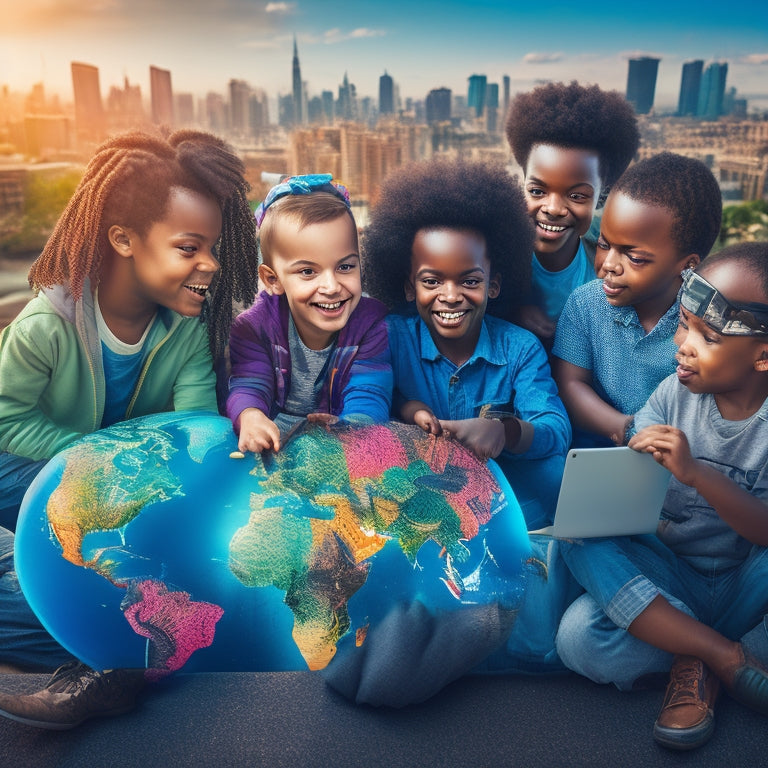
[(152, 544)]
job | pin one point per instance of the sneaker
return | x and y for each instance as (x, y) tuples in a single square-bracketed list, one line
[(74, 693), (748, 682), (687, 717)]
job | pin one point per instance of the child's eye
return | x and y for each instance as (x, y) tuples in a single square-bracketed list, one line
[(602, 245), (579, 197), (347, 267), (429, 282), (535, 192), (306, 272), (636, 260), (472, 282), (188, 249)]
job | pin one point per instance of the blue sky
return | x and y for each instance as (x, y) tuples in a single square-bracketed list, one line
[(423, 44)]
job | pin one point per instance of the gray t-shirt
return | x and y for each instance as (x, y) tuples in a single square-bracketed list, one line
[(739, 449), (307, 376)]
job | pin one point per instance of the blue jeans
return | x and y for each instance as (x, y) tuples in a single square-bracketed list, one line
[(623, 575), (23, 641), (16, 475)]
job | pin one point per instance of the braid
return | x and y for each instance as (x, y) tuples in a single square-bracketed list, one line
[(128, 181)]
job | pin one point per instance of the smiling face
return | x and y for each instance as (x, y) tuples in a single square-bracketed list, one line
[(317, 267), (562, 187), (451, 282), (174, 263), (709, 361), (638, 259)]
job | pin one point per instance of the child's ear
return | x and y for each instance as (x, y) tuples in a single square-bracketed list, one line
[(761, 364), (120, 240), (410, 291), (494, 286), (270, 280), (692, 261)]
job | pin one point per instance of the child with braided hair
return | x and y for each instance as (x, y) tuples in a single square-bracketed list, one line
[(131, 268), (136, 288)]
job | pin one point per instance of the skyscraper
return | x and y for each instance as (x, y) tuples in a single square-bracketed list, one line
[(298, 88), (161, 96), (439, 105), (476, 93), (505, 106), (641, 83), (712, 91), (386, 94), (690, 84), (89, 110)]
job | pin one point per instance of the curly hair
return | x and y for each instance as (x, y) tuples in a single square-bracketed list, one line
[(752, 258), (576, 117), (687, 189), (129, 181), (458, 195)]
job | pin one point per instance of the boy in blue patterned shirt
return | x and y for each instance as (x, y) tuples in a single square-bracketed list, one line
[(613, 342)]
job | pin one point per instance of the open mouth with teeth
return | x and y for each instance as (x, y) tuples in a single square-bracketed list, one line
[(550, 227), (199, 289), (450, 318), (330, 306)]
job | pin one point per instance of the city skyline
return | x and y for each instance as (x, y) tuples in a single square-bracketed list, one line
[(424, 47)]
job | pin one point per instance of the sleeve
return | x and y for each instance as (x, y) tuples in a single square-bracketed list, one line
[(28, 355), (195, 385), (251, 383), (655, 410), (537, 402), (368, 392), (572, 336)]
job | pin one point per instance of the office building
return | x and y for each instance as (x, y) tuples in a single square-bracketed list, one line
[(90, 120), (161, 96), (641, 83), (386, 95), (712, 91), (690, 85), (439, 105), (476, 94)]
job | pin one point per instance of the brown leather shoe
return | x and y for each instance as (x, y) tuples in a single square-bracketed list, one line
[(687, 717)]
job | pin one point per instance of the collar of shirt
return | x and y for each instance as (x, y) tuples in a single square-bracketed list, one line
[(483, 351)]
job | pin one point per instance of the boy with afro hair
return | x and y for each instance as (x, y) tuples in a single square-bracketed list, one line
[(448, 237), (572, 142)]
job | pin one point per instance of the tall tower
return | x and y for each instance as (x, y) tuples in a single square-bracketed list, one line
[(386, 94), (712, 91), (505, 105), (439, 105), (476, 93), (298, 89), (641, 83), (89, 110), (690, 85), (161, 95)]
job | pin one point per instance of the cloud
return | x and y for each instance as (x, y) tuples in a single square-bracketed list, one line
[(542, 58), (335, 35), (755, 59), (280, 7)]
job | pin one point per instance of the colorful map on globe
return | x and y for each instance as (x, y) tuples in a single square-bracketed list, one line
[(186, 535)]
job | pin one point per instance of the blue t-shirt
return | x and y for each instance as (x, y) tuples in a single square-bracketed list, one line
[(508, 371), (550, 290), (627, 363)]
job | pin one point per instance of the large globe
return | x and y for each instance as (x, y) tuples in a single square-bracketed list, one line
[(152, 545)]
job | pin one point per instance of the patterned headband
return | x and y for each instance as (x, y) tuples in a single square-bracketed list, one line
[(302, 185)]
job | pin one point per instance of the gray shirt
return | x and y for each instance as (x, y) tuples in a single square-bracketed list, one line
[(738, 449)]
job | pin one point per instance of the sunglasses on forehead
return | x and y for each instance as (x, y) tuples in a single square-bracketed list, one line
[(703, 300)]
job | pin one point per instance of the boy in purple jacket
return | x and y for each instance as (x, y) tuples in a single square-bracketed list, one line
[(311, 346)]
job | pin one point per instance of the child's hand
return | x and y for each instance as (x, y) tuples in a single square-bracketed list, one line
[(327, 419), (534, 319), (484, 437), (257, 432), (669, 446), (427, 421)]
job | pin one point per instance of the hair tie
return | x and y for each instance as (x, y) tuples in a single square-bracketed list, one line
[(302, 185)]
